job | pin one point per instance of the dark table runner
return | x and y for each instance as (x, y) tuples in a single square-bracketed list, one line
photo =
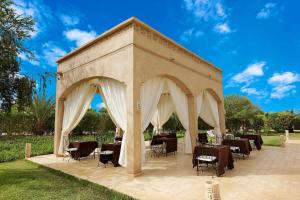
[(115, 147), (258, 141), (222, 152), (242, 143)]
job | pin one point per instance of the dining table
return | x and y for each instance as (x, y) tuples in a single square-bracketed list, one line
[(221, 152), (258, 141), (242, 143)]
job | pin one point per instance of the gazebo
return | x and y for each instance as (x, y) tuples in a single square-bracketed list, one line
[(142, 76)]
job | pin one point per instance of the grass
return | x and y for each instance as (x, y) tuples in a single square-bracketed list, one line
[(13, 147), (25, 180), (273, 140)]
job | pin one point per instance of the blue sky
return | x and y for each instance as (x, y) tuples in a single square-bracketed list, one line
[(255, 43)]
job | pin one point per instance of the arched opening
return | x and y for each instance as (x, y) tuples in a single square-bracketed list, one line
[(208, 113), (78, 116), (173, 98)]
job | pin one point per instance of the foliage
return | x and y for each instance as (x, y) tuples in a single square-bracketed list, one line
[(239, 112), (106, 123), (202, 125), (257, 122), (22, 180), (173, 123), (95, 122), (14, 30), (89, 123), (296, 122), (24, 91), (42, 109), (280, 121), (12, 147), (16, 122), (180, 134), (148, 135)]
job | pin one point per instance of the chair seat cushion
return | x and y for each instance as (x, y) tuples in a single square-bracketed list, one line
[(235, 149), (206, 158)]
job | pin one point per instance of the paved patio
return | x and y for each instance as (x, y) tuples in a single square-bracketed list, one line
[(272, 173)]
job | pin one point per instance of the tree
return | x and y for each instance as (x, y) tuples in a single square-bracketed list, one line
[(281, 121), (42, 109), (106, 123), (14, 30), (239, 112), (257, 122), (173, 123), (296, 122), (90, 122)]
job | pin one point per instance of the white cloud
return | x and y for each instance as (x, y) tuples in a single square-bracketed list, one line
[(212, 11), (250, 91), (253, 91), (222, 28), (267, 11), (68, 20), (101, 105), (51, 53), (285, 78), (206, 9), (37, 10), (186, 35), (79, 36), (22, 56), (253, 70), (283, 84)]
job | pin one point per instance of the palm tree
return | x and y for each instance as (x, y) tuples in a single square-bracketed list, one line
[(42, 108)]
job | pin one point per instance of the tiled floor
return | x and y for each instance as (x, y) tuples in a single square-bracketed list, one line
[(272, 173)]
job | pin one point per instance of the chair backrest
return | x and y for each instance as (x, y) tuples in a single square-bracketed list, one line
[(229, 136), (202, 138)]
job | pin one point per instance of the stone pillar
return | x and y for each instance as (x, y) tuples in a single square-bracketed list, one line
[(193, 119), (59, 112), (133, 143), (222, 116)]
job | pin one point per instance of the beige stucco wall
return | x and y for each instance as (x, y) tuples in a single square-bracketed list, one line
[(133, 53)]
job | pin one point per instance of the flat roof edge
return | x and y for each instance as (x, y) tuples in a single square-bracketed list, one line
[(123, 25)]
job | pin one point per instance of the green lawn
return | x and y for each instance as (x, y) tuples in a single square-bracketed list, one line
[(13, 147), (25, 180), (273, 140)]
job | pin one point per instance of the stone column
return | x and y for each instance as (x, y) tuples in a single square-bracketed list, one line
[(193, 120), (59, 112), (133, 143), (222, 116)]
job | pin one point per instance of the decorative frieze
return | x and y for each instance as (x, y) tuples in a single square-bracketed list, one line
[(150, 34)]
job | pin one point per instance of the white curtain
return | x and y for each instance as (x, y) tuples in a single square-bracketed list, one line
[(215, 113), (150, 94), (163, 112), (114, 94), (75, 106), (181, 105), (207, 109)]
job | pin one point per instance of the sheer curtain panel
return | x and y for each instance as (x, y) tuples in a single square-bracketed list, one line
[(75, 106), (181, 105), (114, 94)]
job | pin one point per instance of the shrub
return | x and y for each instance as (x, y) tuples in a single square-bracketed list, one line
[(280, 121), (16, 122)]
